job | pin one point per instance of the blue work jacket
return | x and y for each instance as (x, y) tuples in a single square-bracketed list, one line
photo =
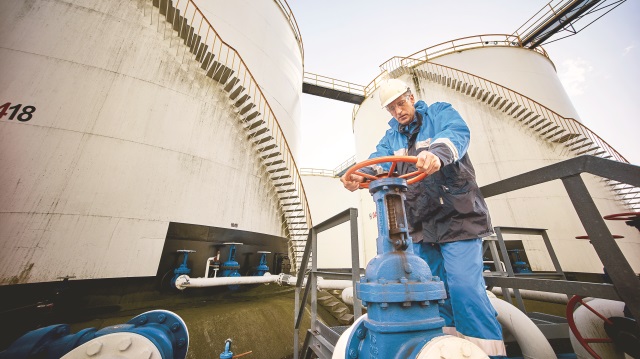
[(446, 206)]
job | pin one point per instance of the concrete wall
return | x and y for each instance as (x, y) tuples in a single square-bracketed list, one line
[(125, 138), (501, 148)]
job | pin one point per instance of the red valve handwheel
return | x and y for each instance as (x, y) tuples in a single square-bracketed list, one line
[(411, 177), (623, 216), (572, 325)]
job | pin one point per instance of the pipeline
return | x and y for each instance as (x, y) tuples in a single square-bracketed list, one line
[(532, 342), (184, 281), (536, 295)]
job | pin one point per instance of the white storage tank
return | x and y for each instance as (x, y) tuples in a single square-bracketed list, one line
[(126, 128), (502, 146)]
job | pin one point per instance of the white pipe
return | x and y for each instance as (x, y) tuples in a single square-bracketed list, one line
[(591, 326), (347, 296), (536, 295), (532, 342), (324, 284), (184, 281)]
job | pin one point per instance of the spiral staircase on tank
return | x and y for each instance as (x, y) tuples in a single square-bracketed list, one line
[(198, 44), (539, 120)]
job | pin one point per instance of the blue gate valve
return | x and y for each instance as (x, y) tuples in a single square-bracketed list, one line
[(398, 288), (157, 331), (231, 266), (520, 266), (262, 268), (183, 269)]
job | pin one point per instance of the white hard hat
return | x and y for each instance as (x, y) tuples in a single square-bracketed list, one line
[(391, 90)]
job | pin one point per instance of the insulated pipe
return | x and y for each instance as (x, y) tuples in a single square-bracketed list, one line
[(323, 284), (532, 342), (329, 284), (184, 281), (590, 326), (536, 295)]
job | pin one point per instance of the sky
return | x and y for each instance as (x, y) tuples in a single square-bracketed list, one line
[(348, 40)]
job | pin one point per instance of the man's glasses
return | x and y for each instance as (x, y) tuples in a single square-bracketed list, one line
[(392, 107)]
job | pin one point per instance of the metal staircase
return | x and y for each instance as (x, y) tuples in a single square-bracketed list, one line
[(541, 121), (200, 45)]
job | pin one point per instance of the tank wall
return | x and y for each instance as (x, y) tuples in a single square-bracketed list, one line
[(259, 31), (501, 148), (124, 139), (523, 71), (327, 198)]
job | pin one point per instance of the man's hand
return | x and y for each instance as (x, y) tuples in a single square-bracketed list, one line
[(351, 183), (428, 162)]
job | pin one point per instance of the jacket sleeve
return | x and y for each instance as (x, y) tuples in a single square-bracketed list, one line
[(382, 149), (451, 141)]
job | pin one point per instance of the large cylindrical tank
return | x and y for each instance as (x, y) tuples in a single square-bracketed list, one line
[(127, 133), (502, 147)]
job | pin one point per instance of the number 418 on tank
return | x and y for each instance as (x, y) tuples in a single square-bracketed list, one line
[(14, 112)]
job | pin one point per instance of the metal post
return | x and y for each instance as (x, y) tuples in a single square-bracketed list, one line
[(296, 330), (313, 277), (507, 264), (626, 283), (355, 261), (552, 253)]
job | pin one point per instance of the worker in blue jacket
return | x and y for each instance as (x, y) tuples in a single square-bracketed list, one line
[(446, 212)]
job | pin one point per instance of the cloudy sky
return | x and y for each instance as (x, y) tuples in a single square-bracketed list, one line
[(348, 40)]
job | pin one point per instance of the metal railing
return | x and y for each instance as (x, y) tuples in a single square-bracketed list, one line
[(542, 17), (319, 333), (519, 103), (284, 6), (550, 126), (626, 285), (317, 172), (202, 34), (334, 84), (461, 44)]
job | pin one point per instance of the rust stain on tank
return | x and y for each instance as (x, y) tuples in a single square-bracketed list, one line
[(20, 278)]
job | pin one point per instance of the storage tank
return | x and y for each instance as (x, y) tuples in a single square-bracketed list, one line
[(520, 119), (133, 115)]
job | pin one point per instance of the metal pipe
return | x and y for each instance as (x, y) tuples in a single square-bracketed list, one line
[(557, 298), (184, 281), (530, 339)]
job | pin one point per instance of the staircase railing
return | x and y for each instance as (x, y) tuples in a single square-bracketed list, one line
[(334, 84), (286, 10), (577, 138), (464, 43), (222, 63)]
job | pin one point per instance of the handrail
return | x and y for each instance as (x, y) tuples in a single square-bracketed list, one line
[(333, 84), (346, 164), (466, 43), (284, 6), (317, 172), (228, 56), (534, 22), (627, 285), (517, 98)]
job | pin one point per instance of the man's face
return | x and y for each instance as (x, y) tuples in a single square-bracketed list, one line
[(402, 109)]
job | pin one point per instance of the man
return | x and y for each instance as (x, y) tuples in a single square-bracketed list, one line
[(446, 212)]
